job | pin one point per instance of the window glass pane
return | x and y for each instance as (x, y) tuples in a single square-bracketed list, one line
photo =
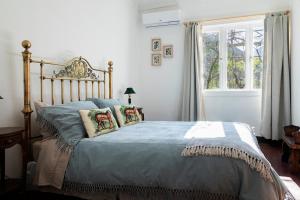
[(257, 62), (236, 63), (211, 60)]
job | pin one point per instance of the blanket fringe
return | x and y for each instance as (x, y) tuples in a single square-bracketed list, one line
[(45, 124), (145, 191), (256, 164), (62, 145)]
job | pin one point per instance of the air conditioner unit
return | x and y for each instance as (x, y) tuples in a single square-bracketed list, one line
[(162, 18)]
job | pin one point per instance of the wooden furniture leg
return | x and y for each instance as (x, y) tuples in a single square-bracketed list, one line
[(285, 152), (294, 161), (24, 160)]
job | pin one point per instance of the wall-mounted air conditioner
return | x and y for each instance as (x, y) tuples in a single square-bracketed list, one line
[(162, 18)]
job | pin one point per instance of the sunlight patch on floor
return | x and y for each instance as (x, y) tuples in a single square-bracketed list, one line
[(292, 186)]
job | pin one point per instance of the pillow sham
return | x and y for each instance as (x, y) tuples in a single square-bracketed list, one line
[(98, 121), (106, 103), (65, 121), (127, 115)]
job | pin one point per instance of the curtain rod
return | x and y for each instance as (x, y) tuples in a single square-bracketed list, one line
[(217, 20)]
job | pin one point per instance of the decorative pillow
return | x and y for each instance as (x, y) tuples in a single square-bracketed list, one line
[(65, 121), (106, 103), (127, 114), (98, 121)]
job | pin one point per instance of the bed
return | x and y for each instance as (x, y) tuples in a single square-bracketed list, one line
[(146, 160)]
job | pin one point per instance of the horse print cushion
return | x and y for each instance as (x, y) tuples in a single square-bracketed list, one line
[(127, 114), (98, 121)]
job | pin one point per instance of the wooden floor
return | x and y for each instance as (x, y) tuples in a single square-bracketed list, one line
[(271, 151)]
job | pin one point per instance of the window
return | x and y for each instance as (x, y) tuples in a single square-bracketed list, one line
[(233, 56)]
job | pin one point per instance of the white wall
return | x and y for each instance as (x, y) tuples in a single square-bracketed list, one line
[(161, 94), (99, 30), (162, 85), (296, 62), (229, 106)]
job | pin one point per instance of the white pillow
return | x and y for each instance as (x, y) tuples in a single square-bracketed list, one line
[(38, 105)]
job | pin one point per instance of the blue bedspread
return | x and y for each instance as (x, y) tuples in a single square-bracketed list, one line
[(147, 157)]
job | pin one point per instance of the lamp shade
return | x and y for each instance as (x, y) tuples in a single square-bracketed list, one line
[(129, 91)]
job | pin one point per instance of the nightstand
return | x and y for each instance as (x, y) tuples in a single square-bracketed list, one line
[(291, 151), (141, 113), (10, 136)]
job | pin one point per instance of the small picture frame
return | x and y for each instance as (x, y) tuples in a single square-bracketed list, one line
[(156, 59), (168, 51), (156, 44)]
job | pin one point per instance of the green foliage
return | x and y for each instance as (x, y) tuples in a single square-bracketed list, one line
[(211, 60), (235, 73), (258, 58), (236, 65), (257, 72)]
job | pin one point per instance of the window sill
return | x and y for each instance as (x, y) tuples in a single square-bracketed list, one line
[(232, 93)]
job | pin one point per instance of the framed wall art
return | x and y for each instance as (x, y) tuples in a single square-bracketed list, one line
[(168, 51), (156, 44), (156, 59)]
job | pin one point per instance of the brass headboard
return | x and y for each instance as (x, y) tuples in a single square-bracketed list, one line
[(76, 71)]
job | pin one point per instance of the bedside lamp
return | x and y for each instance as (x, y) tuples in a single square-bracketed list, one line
[(129, 91)]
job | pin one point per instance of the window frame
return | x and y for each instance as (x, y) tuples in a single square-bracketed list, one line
[(222, 29)]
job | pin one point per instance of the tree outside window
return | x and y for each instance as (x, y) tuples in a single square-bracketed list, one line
[(211, 60), (233, 57)]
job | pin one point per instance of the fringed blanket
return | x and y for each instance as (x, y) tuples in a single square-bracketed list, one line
[(178, 160), (51, 164), (254, 162), (237, 142)]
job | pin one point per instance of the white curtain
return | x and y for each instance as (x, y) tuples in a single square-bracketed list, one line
[(192, 99), (276, 103)]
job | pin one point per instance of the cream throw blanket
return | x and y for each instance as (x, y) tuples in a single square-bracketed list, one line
[(51, 164)]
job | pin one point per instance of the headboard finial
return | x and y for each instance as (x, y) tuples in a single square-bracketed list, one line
[(110, 63), (110, 69), (26, 44)]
